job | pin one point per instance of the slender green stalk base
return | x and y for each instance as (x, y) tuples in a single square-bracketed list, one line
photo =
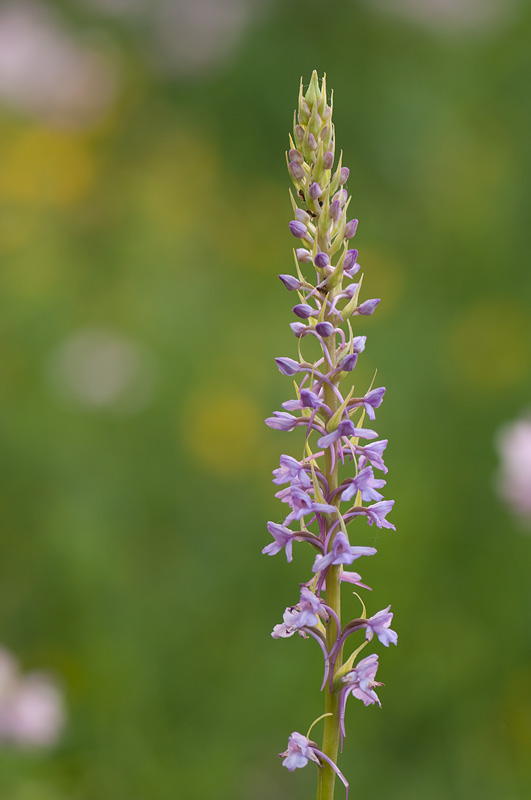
[(327, 776)]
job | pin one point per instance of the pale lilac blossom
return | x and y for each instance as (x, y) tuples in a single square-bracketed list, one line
[(379, 625)]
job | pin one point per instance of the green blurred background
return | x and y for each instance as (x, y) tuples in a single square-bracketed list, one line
[(143, 222)]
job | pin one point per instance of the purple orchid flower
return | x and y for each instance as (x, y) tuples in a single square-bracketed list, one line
[(346, 428), (307, 399), (291, 471), (302, 504), (283, 538), (360, 681), (373, 453), (364, 482), (301, 750), (341, 553)]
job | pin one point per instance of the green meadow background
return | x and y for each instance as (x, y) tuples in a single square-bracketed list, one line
[(140, 315)]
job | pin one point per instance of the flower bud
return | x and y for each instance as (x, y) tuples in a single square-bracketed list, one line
[(312, 95), (342, 196), (304, 256), (349, 260), (367, 308), (350, 228), (299, 134), (309, 399), (298, 229), (358, 344), (315, 123), (296, 155), (352, 270), (298, 329), (304, 112), (288, 366), (321, 260), (335, 210), (328, 160), (302, 216), (324, 328), (304, 311), (348, 363), (351, 290), (312, 141), (290, 282), (296, 171), (315, 191), (343, 175), (281, 421)]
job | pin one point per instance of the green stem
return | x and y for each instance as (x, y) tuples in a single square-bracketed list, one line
[(327, 776)]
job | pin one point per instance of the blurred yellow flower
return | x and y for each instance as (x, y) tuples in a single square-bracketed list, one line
[(45, 167)]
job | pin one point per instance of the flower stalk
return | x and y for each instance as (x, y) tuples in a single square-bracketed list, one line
[(333, 481)]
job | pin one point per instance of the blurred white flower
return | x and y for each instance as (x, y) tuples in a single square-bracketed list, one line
[(451, 14), (32, 710), (44, 71), (103, 369), (513, 481)]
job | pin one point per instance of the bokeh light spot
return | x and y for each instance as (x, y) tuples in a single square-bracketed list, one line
[(99, 369)]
